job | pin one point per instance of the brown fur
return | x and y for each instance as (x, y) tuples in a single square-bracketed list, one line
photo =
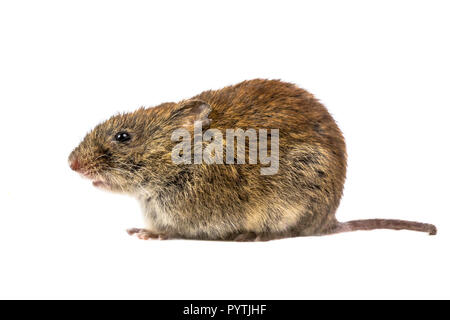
[(220, 201)]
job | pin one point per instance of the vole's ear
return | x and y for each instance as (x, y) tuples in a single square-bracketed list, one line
[(191, 111)]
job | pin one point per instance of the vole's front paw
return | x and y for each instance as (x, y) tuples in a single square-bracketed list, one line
[(144, 234)]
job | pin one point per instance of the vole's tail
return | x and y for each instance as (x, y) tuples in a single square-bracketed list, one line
[(372, 224)]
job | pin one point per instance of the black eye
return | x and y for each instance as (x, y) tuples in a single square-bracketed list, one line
[(122, 136)]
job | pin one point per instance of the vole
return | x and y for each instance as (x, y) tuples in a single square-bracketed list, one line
[(132, 153)]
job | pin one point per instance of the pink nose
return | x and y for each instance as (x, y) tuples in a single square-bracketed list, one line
[(75, 164)]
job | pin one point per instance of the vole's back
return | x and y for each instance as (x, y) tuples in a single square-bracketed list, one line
[(300, 199)]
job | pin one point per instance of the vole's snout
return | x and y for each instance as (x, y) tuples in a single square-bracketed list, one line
[(74, 164)]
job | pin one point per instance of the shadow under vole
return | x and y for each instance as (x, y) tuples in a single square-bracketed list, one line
[(132, 153)]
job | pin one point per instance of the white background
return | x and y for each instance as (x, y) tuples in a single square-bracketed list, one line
[(381, 67)]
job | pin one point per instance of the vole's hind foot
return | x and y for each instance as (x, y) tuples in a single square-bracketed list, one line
[(251, 236), (245, 237), (144, 234)]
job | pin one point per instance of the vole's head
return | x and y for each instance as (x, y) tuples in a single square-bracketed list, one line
[(131, 152)]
